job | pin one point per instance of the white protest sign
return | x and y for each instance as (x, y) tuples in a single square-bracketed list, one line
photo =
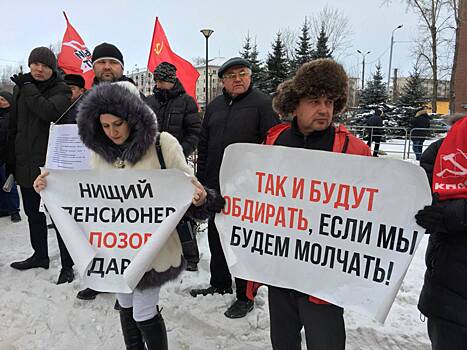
[(338, 227), (114, 223), (65, 149)]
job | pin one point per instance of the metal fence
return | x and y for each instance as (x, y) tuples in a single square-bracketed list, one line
[(394, 141)]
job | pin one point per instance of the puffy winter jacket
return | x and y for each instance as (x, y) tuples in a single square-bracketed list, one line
[(245, 118), (34, 107), (177, 113)]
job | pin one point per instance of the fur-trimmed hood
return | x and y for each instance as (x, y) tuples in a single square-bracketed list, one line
[(122, 100)]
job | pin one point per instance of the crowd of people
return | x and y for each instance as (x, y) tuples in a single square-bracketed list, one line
[(124, 129)]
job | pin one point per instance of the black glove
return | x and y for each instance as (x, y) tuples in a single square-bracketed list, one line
[(9, 169), (215, 201), (22, 79), (432, 217)]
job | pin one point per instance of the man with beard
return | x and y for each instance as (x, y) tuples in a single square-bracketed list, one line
[(177, 113)]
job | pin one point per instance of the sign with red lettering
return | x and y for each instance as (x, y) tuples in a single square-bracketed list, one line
[(114, 226), (335, 226)]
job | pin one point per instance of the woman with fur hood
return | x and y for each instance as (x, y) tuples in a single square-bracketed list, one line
[(121, 132)]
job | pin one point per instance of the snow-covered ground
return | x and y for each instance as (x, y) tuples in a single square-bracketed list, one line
[(37, 314)]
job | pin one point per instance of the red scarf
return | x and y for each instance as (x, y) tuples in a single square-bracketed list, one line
[(450, 170)]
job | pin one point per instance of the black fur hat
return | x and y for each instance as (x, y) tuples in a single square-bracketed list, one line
[(121, 99), (322, 77)]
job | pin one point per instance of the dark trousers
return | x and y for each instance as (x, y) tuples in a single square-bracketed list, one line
[(290, 310), (377, 140), (445, 335), (417, 146), (220, 274), (185, 230), (38, 228), (9, 201)]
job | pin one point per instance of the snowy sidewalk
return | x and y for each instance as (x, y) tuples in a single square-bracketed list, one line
[(36, 314)]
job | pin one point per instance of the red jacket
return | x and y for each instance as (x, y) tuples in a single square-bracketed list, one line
[(344, 142)]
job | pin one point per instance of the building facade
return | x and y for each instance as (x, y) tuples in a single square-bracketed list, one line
[(214, 83)]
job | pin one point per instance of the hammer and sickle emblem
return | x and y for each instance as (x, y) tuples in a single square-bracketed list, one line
[(159, 48)]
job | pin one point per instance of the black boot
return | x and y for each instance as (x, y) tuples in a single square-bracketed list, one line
[(131, 333), (31, 263), (191, 254), (154, 333)]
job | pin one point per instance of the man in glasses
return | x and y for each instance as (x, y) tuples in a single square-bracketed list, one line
[(241, 114)]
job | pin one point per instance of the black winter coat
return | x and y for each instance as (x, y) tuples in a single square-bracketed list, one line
[(34, 107), (177, 113), (444, 292), (245, 118), (4, 117), (422, 122)]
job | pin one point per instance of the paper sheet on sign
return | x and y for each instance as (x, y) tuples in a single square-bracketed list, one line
[(336, 226)]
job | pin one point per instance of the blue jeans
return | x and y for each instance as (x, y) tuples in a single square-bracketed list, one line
[(9, 201), (417, 145)]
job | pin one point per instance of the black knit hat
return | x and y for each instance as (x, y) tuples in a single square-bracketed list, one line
[(107, 51), (233, 62), (43, 55), (166, 72), (7, 96), (75, 79)]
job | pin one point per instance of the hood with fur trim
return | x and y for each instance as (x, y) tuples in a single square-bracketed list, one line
[(122, 100)]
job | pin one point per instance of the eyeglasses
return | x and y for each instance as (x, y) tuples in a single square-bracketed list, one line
[(241, 75)]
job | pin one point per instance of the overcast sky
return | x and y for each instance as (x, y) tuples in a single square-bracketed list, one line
[(129, 25)]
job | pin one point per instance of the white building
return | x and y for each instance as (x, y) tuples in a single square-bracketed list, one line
[(215, 84)]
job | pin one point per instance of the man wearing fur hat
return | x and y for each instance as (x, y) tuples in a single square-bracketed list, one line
[(177, 114), (317, 92), (39, 98), (241, 114), (443, 299)]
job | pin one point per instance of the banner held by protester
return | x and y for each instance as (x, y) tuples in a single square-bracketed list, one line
[(338, 227), (107, 222)]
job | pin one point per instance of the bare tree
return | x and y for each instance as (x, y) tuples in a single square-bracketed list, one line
[(337, 28), (458, 8), (289, 39)]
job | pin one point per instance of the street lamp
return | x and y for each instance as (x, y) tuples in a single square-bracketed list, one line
[(390, 52), (207, 33), (363, 66)]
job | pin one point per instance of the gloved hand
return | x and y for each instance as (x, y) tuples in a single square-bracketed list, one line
[(22, 79), (215, 201), (9, 169), (432, 217)]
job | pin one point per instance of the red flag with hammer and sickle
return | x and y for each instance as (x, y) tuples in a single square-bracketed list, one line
[(161, 52), (74, 57)]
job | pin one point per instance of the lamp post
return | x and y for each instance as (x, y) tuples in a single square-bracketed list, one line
[(390, 52), (207, 33), (363, 66)]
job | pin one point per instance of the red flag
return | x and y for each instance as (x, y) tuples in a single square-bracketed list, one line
[(161, 51), (74, 57)]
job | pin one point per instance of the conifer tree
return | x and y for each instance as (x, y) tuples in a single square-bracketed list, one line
[(303, 51), (375, 91), (276, 65), (322, 49), (414, 94)]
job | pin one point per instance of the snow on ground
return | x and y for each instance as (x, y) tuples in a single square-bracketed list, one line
[(36, 314)]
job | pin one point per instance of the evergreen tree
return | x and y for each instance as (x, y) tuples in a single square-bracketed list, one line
[(322, 50), (276, 65), (375, 91), (303, 51), (246, 50), (414, 93)]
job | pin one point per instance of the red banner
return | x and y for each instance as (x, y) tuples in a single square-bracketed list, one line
[(161, 52), (74, 57)]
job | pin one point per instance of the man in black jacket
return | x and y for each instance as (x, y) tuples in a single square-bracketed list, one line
[(375, 126), (241, 114), (419, 126), (443, 299), (39, 98), (177, 113), (9, 201)]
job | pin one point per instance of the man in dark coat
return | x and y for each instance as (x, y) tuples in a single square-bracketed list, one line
[(375, 130), (241, 114), (418, 126), (9, 201), (177, 113), (39, 98), (76, 83), (443, 299)]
